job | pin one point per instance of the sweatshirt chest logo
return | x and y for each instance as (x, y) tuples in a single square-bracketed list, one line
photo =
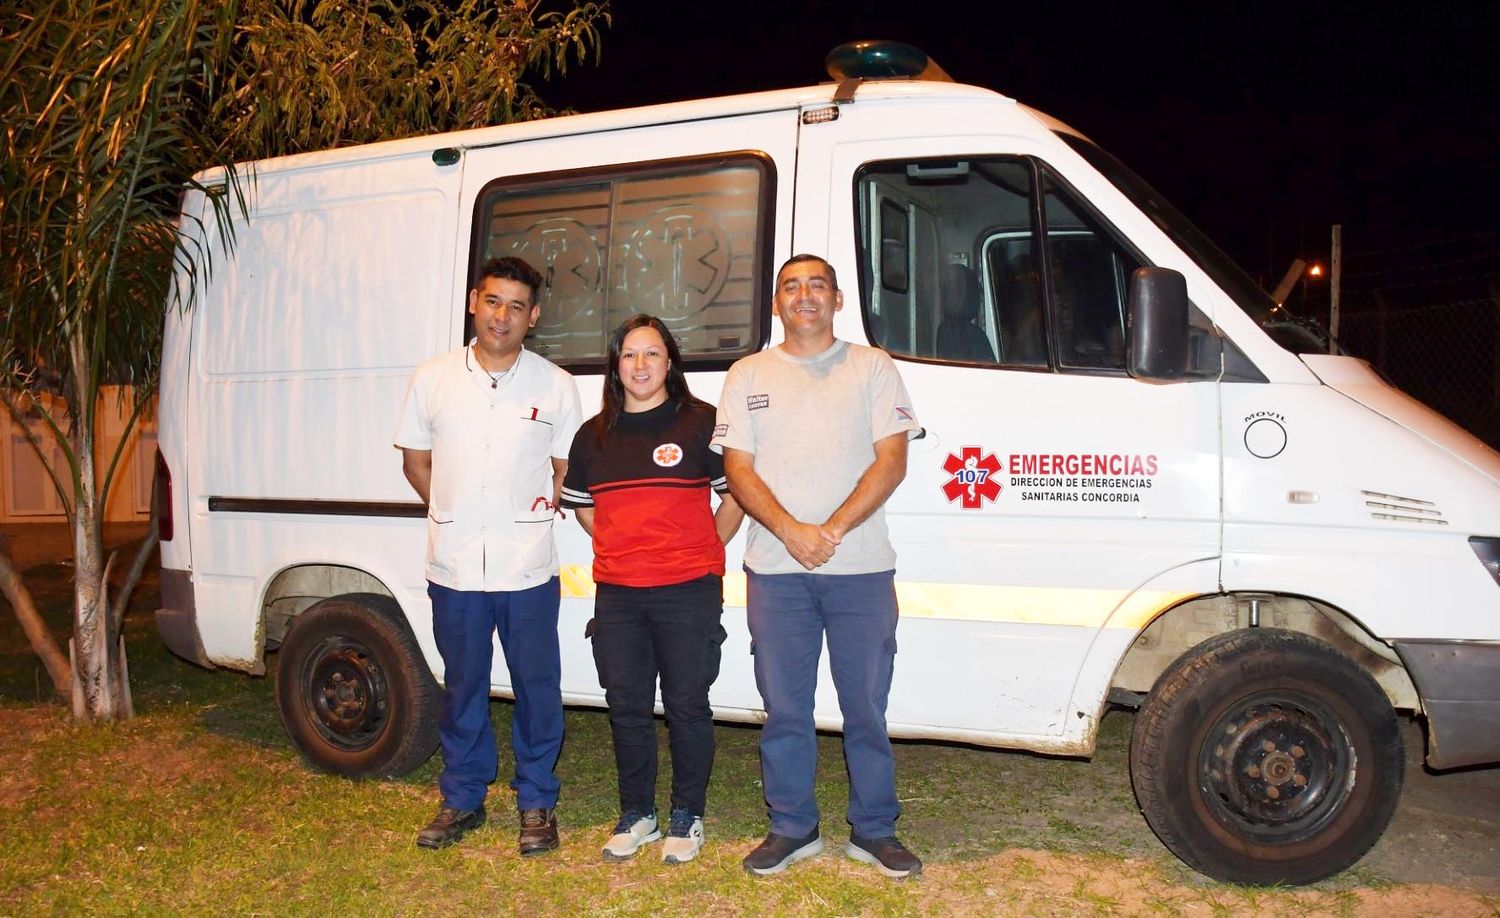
[(757, 402), (667, 455)]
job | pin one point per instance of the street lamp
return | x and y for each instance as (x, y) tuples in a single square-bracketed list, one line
[(1311, 278)]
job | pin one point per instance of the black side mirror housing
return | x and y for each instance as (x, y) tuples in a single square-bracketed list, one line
[(1157, 312)]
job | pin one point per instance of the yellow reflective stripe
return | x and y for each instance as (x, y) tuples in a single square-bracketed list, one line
[(1072, 606), (973, 602), (577, 581), (734, 589)]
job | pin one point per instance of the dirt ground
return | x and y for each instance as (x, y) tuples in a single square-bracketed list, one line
[(30, 544), (1445, 833), (1447, 826), (1039, 883)]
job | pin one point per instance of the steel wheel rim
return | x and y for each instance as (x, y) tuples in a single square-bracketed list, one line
[(1276, 767), (345, 691)]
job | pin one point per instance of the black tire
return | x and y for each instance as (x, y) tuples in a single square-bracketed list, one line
[(1266, 756), (355, 695)]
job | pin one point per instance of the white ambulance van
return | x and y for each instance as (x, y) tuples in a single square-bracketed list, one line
[(1139, 482)]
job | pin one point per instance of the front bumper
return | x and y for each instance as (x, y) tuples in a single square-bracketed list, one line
[(177, 619), (1459, 683)]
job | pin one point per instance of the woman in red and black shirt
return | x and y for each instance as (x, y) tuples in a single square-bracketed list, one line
[(638, 479)]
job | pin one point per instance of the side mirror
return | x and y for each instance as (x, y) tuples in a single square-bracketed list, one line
[(1157, 312)]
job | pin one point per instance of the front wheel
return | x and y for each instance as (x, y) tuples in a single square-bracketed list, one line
[(1266, 756), (355, 695)]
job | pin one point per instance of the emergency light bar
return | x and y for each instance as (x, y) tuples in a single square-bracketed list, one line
[(874, 60)]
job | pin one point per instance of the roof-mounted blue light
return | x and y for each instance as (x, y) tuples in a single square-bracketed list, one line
[(874, 60)]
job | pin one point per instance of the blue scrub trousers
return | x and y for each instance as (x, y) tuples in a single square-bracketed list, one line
[(789, 615), (463, 623)]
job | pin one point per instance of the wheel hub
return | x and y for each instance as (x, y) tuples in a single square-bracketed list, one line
[(346, 691), (1275, 767)]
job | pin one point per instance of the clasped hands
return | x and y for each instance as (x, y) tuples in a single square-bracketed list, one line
[(811, 545)]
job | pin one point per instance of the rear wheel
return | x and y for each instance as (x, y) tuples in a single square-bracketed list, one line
[(1266, 756), (355, 694)]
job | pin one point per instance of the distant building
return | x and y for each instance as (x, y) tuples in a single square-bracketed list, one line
[(26, 491)]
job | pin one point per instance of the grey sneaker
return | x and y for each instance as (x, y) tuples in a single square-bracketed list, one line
[(778, 852), (888, 855), (684, 838), (632, 831), (449, 825)]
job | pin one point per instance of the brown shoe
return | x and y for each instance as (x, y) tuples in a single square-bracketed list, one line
[(449, 826), (538, 831)]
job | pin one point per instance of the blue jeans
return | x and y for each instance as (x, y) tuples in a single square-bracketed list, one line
[(789, 615), (672, 631), (462, 624)]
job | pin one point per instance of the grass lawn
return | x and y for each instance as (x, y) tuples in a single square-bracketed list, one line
[(199, 805)]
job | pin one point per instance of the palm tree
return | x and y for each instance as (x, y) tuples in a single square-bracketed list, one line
[(97, 101), (107, 109)]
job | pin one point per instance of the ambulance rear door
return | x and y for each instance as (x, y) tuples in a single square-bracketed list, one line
[(678, 219)]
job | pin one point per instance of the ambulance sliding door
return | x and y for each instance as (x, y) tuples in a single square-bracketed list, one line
[(678, 220)]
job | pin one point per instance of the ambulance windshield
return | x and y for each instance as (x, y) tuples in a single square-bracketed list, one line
[(1297, 334)]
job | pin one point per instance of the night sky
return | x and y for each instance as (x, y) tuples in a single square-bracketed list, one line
[(1264, 122)]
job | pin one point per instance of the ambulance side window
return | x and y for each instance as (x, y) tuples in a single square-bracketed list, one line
[(989, 262), (684, 240), (926, 294), (1015, 283), (1089, 275)]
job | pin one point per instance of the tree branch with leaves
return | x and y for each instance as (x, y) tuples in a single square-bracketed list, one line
[(109, 110), (99, 138)]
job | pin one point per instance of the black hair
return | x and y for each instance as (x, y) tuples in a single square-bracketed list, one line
[(833, 276), (614, 387), (512, 268)]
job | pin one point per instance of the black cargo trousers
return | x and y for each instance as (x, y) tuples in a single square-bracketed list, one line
[(672, 632)]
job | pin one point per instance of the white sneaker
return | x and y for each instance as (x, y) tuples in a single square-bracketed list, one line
[(631, 832), (684, 838)]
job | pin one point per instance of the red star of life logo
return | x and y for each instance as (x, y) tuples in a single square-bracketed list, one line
[(974, 480), (667, 455)]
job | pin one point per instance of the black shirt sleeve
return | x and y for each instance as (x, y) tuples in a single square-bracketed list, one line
[(713, 462), (575, 489)]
